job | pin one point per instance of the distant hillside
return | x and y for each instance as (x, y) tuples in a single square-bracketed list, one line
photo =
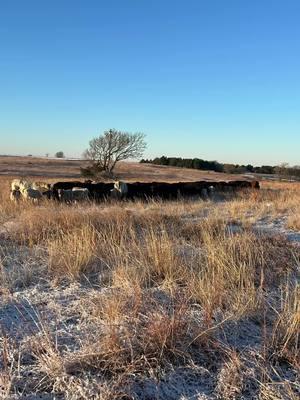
[(130, 171)]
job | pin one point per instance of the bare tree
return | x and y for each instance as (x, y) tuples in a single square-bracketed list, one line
[(113, 146), (282, 170)]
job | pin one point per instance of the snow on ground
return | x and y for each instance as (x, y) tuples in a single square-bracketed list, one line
[(275, 227)]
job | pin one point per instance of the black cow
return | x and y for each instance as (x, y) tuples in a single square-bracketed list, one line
[(187, 189), (100, 191), (162, 190)]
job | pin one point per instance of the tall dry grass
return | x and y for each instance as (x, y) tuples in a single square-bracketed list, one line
[(286, 330), (165, 279)]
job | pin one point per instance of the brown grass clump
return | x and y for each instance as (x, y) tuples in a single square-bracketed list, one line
[(286, 329), (37, 225), (229, 266), (294, 221), (73, 252)]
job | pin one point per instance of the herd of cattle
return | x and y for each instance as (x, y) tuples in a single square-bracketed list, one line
[(75, 191)]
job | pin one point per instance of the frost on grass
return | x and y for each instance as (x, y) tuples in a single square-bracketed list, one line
[(151, 301)]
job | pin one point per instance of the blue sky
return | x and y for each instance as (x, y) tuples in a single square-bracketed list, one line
[(212, 79)]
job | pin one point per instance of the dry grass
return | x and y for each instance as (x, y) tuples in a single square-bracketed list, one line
[(286, 330), (131, 171), (294, 221), (160, 286)]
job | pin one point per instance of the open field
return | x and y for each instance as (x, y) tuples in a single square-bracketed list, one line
[(130, 171), (186, 299)]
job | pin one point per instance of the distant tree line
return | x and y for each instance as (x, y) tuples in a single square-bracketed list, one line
[(194, 163), (283, 170)]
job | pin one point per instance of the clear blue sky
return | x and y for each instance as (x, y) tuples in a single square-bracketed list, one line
[(209, 78)]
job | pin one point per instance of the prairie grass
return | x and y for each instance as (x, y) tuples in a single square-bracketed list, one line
[(73, 252), (294, 221), (286, 330), (159, 283)]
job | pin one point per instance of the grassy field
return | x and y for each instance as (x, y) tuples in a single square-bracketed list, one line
[(54, 169), (186, 299)]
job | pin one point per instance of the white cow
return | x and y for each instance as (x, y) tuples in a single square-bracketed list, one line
[(20, 184), (41, 186), (120, 190), (73, 195)]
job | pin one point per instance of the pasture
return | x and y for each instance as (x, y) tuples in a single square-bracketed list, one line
[(58, 169), (178, 299)]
